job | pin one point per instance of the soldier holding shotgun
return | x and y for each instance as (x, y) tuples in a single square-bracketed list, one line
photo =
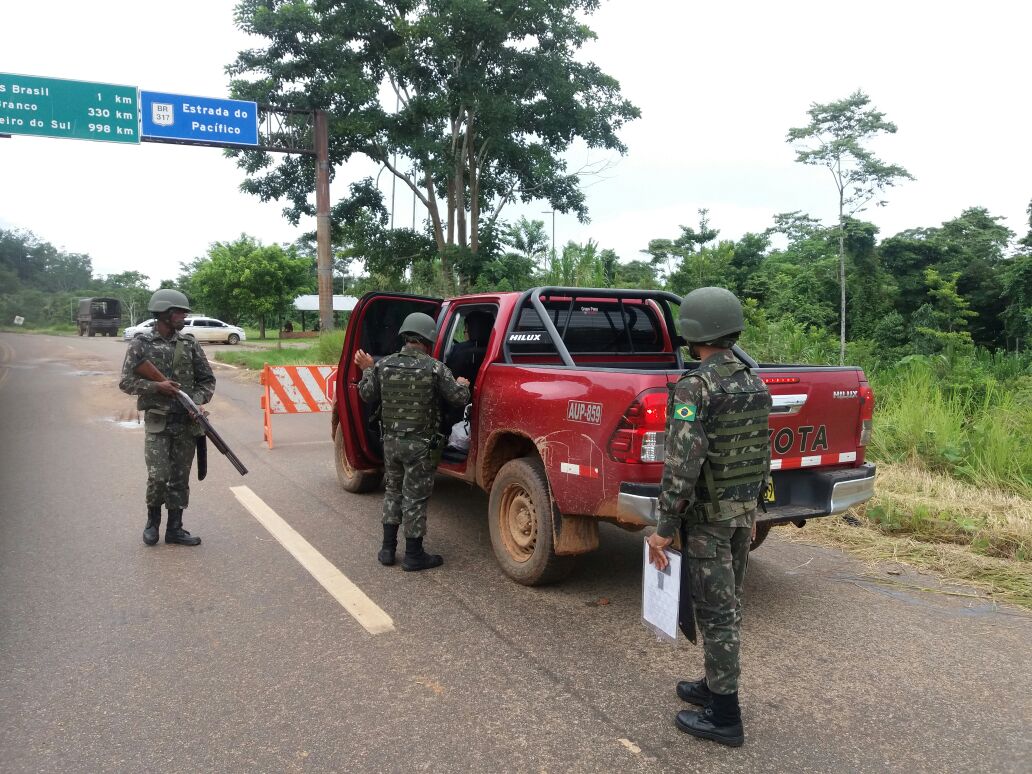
[(171, 434)]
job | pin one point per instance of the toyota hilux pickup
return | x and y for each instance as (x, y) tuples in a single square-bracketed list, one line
[(568, 410)]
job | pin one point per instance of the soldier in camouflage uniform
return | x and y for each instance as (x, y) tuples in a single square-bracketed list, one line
[(409, 386), (717, 463), (171, 436)]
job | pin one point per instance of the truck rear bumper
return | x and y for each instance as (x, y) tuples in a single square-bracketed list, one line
[(801, 495)]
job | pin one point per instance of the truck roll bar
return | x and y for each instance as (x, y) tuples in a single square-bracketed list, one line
[(662, 298)]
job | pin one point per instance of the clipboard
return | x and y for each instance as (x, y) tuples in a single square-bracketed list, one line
[(661, 594)]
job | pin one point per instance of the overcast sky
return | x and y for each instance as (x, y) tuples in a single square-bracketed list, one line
[(718, 84)]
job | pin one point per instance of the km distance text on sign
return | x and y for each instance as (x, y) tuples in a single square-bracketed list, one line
[(80, 110)]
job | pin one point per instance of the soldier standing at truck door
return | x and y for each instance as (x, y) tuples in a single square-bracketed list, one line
[(717, 463), (171, 435), (409, 385)]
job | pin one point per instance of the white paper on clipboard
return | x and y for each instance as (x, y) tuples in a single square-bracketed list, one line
[(661, 594)]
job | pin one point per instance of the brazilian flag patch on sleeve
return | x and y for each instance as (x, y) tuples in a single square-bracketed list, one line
[(685, 412)]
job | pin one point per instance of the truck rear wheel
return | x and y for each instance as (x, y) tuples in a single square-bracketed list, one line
[(762, 530), (352, 480), (91, 332), (520, 519)]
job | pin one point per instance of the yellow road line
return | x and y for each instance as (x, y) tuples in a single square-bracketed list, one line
[(350, 596)]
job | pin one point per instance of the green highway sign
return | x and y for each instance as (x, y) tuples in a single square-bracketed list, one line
[(53, 107)]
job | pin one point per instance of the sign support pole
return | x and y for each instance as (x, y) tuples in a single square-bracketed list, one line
[(322, 221)]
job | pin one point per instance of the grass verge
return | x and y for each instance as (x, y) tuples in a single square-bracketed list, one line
[(935, 523), (322, 351)]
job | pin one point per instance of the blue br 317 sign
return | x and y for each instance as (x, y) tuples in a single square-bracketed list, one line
[(198, 119)]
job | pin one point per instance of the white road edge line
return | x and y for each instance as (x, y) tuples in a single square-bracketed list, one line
[(351, 597)]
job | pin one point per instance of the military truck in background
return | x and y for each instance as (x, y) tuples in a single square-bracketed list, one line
[(98, 315)]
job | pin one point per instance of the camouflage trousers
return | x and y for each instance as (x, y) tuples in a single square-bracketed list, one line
[(169, 456), (717, 555), (409, 480)]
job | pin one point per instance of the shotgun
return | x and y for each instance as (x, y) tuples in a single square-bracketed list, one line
[(147, 370)]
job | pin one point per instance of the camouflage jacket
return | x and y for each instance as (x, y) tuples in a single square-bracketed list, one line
[(445, 386), (194, 373), (690, 418)]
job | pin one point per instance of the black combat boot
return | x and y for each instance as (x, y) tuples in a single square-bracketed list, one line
[(418, 559), (390, 544), (720, 722), (695, 692), (150, 532), (174, 532)]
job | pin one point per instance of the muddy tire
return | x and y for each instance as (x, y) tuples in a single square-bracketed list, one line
[(762, 530), (520, 518), (352, 480), (91, 332), (233, 339)]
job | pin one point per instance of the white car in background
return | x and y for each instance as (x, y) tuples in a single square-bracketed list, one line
[(208, 329), (132, 331)]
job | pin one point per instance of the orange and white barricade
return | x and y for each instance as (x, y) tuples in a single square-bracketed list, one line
[(296, 390)]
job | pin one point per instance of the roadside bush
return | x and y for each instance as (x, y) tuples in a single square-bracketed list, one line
[(959, 418)]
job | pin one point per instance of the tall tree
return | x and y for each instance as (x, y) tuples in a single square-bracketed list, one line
[(835, 139), (975, 246), (711, 265), (1017, 316), (636, 274), (670, 254), (127, 279), (485, 98), (527, 238), (1026, 241), (941, 324), (246, 280)]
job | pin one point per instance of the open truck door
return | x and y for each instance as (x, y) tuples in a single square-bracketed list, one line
[(373, 327)]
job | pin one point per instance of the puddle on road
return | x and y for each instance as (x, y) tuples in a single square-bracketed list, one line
[(127, 419), (90, 373)]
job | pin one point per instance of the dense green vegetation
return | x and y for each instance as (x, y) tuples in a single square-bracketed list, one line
[(242, 282)]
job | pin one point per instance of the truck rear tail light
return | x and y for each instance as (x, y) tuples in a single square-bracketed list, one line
[(641, 435), (866, 413)]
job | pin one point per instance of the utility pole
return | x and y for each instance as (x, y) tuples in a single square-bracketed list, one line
[(552, 213), (322, 221)]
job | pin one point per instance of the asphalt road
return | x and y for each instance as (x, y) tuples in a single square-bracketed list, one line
[(231, 657)]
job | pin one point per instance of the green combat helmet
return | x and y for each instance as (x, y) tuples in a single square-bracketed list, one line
[(421, 325), (710, 314), (166, 299)]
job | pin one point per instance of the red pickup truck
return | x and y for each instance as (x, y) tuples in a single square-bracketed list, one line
[(567, 416)]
